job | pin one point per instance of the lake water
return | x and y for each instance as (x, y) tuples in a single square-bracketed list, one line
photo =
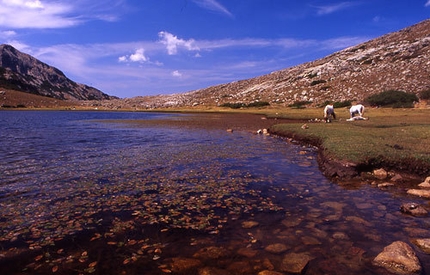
[(131, 193)]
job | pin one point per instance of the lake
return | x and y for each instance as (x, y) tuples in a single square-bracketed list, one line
[(93, 192)]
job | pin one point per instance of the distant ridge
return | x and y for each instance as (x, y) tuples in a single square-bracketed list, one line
[(399, 60), (22, 72)]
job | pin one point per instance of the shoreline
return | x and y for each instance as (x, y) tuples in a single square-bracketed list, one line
[(338, 170), (253, 120)]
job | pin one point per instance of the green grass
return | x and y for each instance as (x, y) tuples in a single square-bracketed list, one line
[(392, 137)]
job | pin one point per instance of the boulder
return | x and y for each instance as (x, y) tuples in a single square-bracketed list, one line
[(423, 244), (399, 258), (425, 183), (419, 192)]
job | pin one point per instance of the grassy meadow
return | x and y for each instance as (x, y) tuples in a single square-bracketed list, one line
[(394, 138)]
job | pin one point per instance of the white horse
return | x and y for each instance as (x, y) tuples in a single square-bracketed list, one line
[(356, 112), (329, 112)]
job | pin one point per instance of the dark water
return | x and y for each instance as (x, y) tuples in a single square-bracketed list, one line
[(96, 193)]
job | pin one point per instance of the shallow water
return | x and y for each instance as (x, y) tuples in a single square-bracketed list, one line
[(126, 192)]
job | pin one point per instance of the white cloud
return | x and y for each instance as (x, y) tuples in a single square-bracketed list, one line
[(323, 10), (172, 43), (34, 14), (38, 14), (24, 4), (137, 56), (176, 74), (4, 34), (427, 4), (213, 5)]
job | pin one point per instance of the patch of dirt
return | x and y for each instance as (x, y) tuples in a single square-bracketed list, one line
[(10, 99)]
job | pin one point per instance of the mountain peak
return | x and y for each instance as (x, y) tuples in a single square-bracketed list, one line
[(25, 73)]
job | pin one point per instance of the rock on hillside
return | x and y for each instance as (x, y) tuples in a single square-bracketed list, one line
[(399, 60), (22, 72)]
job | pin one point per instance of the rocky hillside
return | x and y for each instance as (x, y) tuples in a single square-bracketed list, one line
[(22, 72), (399, 60)]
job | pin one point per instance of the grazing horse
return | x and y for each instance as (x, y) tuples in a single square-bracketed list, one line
[(356, 112), (329, 112)]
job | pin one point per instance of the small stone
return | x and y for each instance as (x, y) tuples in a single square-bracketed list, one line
[(212, 252), (307, 240), (380, 174), (269, 272), (385, 184), (276, 248), (340, 236), (397, 178), (249, 224), (247, 252), (213, 271)]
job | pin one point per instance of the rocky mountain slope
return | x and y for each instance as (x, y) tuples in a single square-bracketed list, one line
[(399, 60), (22, 72)]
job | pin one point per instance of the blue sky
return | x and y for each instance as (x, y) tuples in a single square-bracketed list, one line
[(130, 48)]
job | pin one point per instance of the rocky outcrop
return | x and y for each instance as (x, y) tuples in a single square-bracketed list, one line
[(22, 72)]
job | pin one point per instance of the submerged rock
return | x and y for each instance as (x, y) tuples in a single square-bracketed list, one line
[(295, 262), (276, 248), (419, 193), (181, 265), (212, 252), (399, 258), (213, 271), (249, 224), (423, 244), (413, 209), (269, 272)]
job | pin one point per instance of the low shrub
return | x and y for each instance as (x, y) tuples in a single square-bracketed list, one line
[(243, 105), (258, 104), (299, 104), (337, 104), (425, 95), (316, 82), (393, 98), (342, 104)]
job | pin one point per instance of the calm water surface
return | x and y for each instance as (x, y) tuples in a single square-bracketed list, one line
[(104, 193)]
